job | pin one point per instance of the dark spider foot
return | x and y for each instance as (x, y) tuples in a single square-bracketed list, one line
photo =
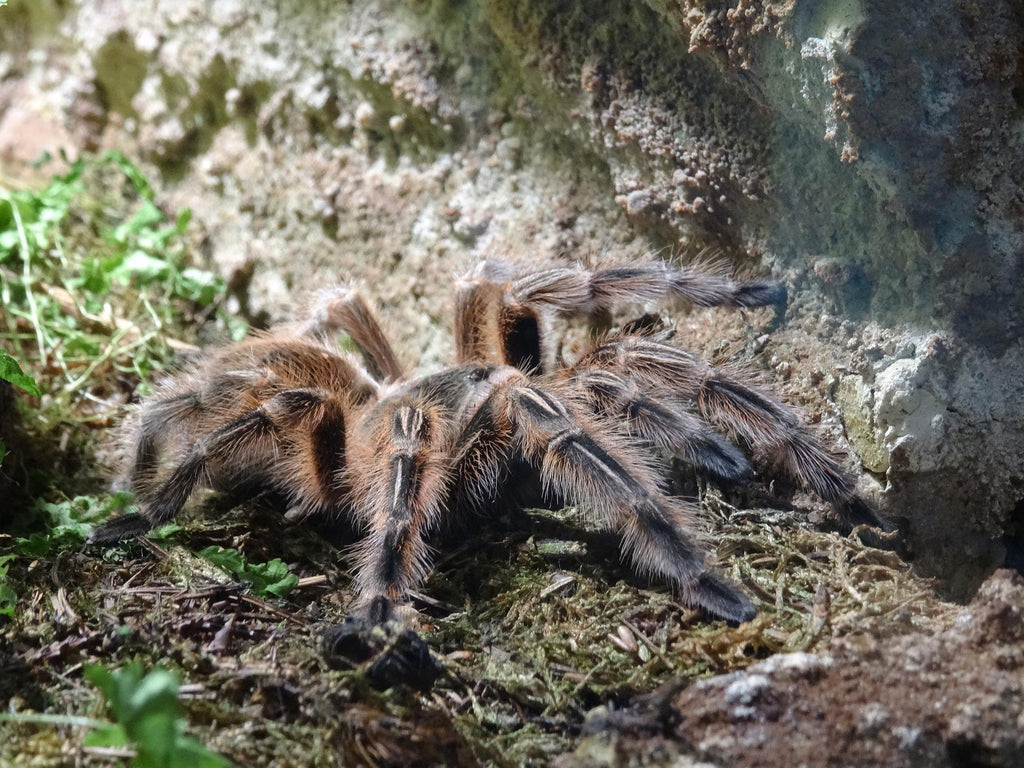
[(856, 511), (721, 600), (389, 653), (118, 529), (873, 529), (762, 293)]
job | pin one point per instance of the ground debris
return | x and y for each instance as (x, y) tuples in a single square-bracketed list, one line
[(874, 697), (544, 650)]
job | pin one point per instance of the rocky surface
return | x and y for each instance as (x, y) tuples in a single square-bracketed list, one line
[(904, 698)]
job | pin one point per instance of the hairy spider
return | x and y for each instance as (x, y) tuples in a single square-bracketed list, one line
[(399, 453)]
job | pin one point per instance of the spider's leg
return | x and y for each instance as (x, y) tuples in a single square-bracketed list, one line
[(664, 425), (527, 308), (177, 418), (740, 409), (614, 481), (147, 435), (774, 428), (227, 385), (343, 310), (312, 462), (399, 480), (527, 303), (258, 444), (579, 291), (492, 325), (483, 459), (703, 286), (476, 332)]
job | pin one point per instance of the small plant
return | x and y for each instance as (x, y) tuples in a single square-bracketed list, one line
[(8, 597), (271, 578), (11, 371), (68, 522), (147, 715), (92, 276), (97, 290)]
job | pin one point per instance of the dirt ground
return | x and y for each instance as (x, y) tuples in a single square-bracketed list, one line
[(551, 652)]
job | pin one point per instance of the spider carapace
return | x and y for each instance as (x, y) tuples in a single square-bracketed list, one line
[(356, 435)]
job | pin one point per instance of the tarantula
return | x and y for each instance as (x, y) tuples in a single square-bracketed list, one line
[(398, 452)]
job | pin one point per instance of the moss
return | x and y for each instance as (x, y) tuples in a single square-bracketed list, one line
[(528, 652), (852, 398)]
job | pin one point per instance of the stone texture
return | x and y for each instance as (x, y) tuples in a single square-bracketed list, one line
[(873, 698)]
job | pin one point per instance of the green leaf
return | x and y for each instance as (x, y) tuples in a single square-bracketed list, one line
[(94, 276), (81, 344), (143, 220), (11, 371), (141, 268), (8, 600), (131, 171), (228, 560), (271, 578), (59, 535), (148, 716), (237, 326), (199, 285), (8, 597), (68, 522), (181, 223), (164, 532), (192, 754), (110, 736), (8, 242)]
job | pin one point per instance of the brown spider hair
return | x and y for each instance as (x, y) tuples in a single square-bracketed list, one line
[(397, 453)]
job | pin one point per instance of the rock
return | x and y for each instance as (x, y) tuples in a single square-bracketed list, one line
[(944, 698)]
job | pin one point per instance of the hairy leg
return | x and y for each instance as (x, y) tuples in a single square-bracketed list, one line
[(476, 333), (481, 457), (343, 310), (399, 479), (661, 423), (581, 291), (581, 463), (181, 417), (740, 409), (289, 441), (497, 311)]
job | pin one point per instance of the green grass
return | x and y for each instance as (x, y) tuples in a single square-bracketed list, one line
[(98, 291), (148, 717), (93, 277)]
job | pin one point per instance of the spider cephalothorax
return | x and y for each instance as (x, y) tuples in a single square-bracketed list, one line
[(340, 435)]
